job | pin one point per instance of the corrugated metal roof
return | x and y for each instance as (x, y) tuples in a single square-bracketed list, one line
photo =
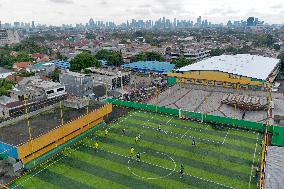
[(253, 66), (150, 66)]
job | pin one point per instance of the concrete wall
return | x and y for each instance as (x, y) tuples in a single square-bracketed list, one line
[(77, 86)]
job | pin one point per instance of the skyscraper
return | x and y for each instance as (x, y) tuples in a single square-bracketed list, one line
[(250, 21), (175, 22), (91, 23), (198, 21)]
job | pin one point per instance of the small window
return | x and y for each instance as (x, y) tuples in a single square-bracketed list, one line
[(243, 86), (198, 82), (190, 80), (210, 82), (50, 92), (60, 89), (229, 85), (219, 83)]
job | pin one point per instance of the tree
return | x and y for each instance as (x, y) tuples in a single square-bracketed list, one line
[(7, 61), (82, 61), (281, 57), (112, 58), (31, 45), (60, 56), (276, 47), (244, 50), (90, 36), (216, 52), (55, 75), (123, 41), (5, 86), (181, 62), (23, 57), (147, 56), (266, 40), (25, 74)]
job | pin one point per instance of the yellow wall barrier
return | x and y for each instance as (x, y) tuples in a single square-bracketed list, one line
[(52, 139), (59, 142)]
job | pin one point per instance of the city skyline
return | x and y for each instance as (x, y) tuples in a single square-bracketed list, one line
[(58, 12)]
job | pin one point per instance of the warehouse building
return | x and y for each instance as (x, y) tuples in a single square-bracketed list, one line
[(149, 67), (242, 71)]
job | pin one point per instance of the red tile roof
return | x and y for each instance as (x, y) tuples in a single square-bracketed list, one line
[(21, 65), (37, 55), (14, 78)]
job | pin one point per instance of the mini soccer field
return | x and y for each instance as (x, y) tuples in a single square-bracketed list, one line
[(223, 157)]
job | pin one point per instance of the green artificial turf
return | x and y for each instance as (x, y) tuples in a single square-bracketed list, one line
[(222, 158)]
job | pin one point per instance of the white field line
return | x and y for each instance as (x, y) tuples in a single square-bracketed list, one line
[(174, 125), (184, 134), (169, 120), (207, 125), (232, 128), (253, 161), (226, 136), (60, 158), (178, 135), (171, 134), (173, 170), (35, 174), (73, 150)]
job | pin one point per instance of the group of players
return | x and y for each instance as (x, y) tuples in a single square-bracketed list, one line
[(138, 154)]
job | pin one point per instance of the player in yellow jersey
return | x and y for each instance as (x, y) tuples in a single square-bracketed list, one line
[(106, 132), (131, 151), (97, 146)]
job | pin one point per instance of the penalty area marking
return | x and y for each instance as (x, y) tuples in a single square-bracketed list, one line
[(153, 178), (226, 136), (169, 120), (199, 178)]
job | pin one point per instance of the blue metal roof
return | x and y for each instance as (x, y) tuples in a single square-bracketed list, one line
[(150, 66), (41, 65), (61, 64)]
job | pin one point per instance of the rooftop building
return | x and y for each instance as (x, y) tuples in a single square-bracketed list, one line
[(110, 78), (77, 84), (64, 65), (8, 37), (242, 71), (150, 66), (252, 66), (21, 65), (4, 73), (196, 55)]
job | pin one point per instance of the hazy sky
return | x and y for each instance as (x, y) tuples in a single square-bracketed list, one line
[(57, 12)]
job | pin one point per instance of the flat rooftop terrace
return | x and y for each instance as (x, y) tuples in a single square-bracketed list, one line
[(18, 132)]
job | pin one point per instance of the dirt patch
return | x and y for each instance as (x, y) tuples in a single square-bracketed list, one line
[(117, 112), (40, 124)]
